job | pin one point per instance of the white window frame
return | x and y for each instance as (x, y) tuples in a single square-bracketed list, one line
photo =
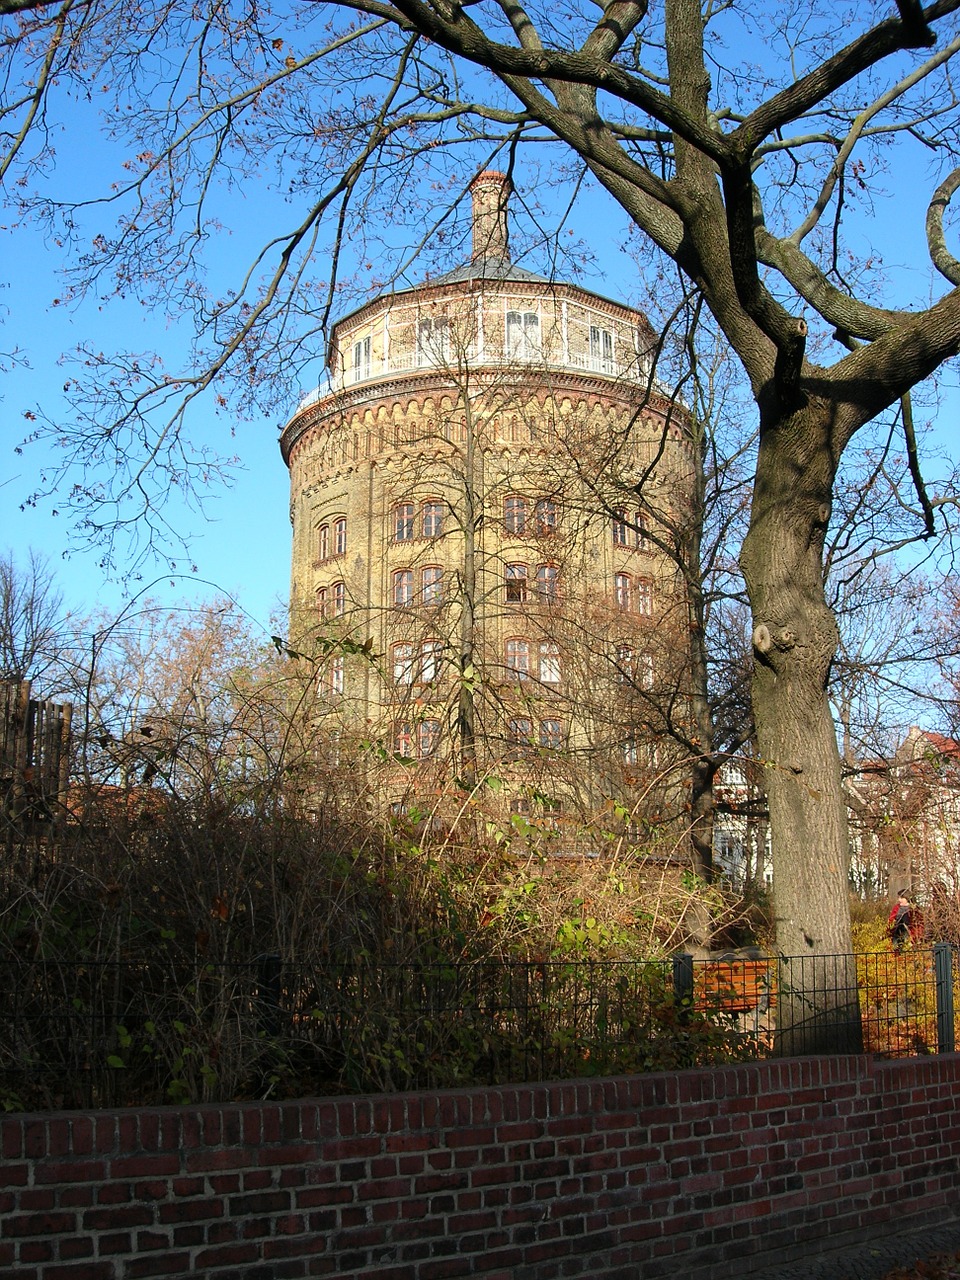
[(404, 522), (433, 340), (402, 593), (361, 358), (522, 334), (516, 657), (431, 588), (516, 583), (549, 662)]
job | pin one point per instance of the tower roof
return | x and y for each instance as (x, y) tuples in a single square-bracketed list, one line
[(493, 269)]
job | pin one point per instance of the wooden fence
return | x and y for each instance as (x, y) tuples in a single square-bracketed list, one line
[(34, 759)]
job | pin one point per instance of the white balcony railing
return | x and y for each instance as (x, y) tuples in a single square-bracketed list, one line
[(406, 362)]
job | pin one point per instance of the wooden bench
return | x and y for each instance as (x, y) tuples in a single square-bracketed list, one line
[(734, 986)]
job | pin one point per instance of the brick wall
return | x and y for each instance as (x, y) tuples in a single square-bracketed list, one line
[(699, 1174)]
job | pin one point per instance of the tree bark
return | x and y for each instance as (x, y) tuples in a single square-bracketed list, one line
[(794, 640)]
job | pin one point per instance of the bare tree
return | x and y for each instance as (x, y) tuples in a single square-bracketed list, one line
[(34, 626), (742, 179)]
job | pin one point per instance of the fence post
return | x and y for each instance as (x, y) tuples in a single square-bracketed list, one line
[(683, 982), (943, 974), (269, 969)]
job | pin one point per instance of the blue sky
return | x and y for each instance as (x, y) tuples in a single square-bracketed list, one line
[(240, 545)]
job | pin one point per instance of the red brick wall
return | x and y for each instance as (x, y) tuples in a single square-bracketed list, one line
[(699, 1174)]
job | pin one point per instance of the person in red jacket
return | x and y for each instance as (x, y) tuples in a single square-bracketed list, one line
[(900, 922)]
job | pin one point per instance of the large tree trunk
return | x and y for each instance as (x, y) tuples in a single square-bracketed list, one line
[(794, 640)]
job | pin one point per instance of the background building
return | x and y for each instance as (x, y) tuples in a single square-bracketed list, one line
[(486, 495)]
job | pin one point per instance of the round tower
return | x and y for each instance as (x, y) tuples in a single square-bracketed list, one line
[(479, 498)]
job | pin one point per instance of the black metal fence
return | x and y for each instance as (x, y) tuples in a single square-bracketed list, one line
[(156, 1030)]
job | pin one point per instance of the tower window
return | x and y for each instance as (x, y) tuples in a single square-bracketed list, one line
[(519, 735), (516, 584), (430, 652), (517, 658), (433, 340), (403, 588), (428, 738), (545, 517), (432, 516), (335, 675), (551, 734), (404, 514), (548, 583), (523, 334), (339, 595), (431, 584), (625, 663), (322, 602), (323, 542), (601, 349), (633, 594), (628, 529), (645, 670), (515, 515), (403, 740), (361, 359), (403, 663), (340, 537), (549, 662)]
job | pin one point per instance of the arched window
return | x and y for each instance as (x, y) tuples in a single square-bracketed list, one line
[(403, 588), (404, 514), (335, 675), (403, 739), (549, 669), (430, 652), (545, 517), (402, 663), (322, 602), (339, 596), (623, 585), (645, 670), (432, 517), (515, 515), (548, 583), (323, 542), (516, 584), (340, 536), (431, 584), (517, 658), (551, 734), (644, 596), (519, 735), (625, 663), (601, 349), (629, 529), (428, 738), (361, 359)]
